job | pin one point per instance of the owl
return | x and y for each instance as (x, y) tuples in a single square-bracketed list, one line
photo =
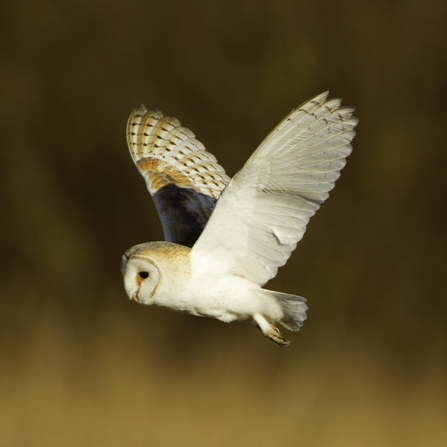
[(225, 238)]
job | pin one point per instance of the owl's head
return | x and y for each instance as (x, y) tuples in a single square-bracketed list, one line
[(141, 274), (144, 266)]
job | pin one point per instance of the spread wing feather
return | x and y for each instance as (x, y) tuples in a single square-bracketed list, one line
[(263, 212), (183, 179)]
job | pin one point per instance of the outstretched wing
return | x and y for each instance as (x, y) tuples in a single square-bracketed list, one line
[(264, 210), (183, 179)]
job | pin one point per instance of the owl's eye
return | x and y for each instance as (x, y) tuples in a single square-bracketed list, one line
[(143, 275)]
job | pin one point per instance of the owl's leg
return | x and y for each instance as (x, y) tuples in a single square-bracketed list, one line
[(270, 331)]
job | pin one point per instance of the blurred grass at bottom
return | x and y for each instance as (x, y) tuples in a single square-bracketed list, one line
[(119, 382)]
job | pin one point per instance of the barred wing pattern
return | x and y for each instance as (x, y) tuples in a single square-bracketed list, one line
[(262, 214), (183, 179)]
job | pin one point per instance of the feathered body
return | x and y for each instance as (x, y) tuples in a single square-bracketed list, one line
[(225, 297), (225, 239)]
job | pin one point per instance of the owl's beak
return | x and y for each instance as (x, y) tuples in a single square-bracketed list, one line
[(135, 296)]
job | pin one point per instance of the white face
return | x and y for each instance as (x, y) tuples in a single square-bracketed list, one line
[(141, 279)]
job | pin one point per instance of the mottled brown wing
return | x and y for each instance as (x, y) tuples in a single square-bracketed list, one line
[(183, 179)]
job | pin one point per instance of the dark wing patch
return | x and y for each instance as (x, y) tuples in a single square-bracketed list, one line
[(183, 212)]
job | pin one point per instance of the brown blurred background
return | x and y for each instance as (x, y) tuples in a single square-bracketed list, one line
[(83, 366)]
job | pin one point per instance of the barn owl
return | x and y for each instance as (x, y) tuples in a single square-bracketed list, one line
[(225, 238)]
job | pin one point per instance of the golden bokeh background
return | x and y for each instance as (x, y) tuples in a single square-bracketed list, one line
[(83, 366)]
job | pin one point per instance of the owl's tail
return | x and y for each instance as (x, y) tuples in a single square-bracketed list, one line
[(294, 308)]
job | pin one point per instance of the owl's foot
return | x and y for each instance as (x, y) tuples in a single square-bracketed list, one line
[(270, 331), (276, 336)]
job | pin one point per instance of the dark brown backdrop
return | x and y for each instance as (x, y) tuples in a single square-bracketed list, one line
[(81, 365)]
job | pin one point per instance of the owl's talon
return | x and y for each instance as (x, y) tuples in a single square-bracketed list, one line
[(275, 335), (270, 331)]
